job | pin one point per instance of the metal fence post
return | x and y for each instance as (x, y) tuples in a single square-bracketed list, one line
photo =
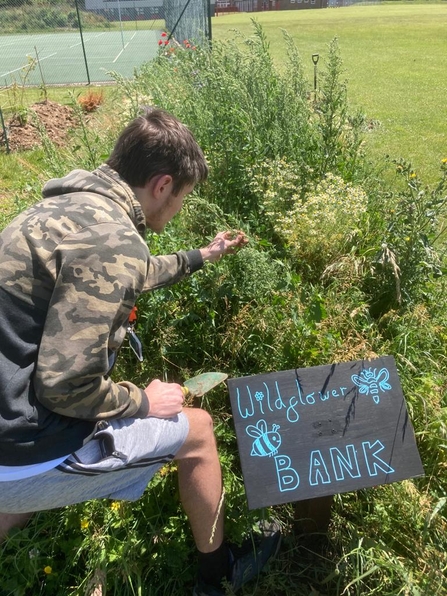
[(5, 131), (121, 23), (208, 7), (82, 40)]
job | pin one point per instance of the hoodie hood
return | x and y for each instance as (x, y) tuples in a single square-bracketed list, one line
[(105, 182)]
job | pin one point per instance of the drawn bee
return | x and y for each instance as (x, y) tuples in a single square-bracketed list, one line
[(267, 441), (369, 382)]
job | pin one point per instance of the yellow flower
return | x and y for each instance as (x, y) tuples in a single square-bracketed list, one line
[(444, 160), (115, 505), (84, 524), (48, 570), (164, 471)]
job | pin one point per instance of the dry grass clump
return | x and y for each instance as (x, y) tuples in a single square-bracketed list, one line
[(91, 100)]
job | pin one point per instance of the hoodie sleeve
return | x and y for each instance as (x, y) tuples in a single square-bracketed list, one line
[(167, 270), (98, 274)]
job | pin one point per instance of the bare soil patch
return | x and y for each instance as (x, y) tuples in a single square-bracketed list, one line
[(56, 119)]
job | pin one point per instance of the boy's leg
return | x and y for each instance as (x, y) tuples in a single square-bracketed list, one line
[(12, 520), (200, 481)]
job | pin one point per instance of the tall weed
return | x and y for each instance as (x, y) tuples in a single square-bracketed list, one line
[(409, 240), (243, 111)]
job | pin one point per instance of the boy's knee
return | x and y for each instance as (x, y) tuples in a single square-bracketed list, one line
[(201, 423), (200, 439)]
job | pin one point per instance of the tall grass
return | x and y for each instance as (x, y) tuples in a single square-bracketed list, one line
[(286, 301)]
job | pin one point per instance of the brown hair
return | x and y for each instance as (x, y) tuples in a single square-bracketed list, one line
[(157, 143)]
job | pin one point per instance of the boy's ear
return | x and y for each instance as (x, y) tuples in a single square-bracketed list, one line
[(161, 185)]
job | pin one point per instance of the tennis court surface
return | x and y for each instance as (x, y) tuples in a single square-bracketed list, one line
[(62, 60)]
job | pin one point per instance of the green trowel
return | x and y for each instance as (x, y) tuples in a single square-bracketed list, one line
[(198, 386)]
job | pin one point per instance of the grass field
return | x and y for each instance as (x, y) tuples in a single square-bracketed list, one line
[(396, 65)]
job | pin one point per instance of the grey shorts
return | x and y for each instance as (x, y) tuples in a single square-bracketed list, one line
[(117, 463)]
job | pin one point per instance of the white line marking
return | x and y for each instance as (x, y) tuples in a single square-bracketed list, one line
[(113, 62), (25, 65), (76, 44), (94, 37), (5, 45)]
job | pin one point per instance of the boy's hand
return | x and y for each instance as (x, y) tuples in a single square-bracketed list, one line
[(165, 399), (225, 243)]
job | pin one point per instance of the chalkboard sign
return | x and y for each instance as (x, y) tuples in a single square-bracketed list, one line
[(314, 432)]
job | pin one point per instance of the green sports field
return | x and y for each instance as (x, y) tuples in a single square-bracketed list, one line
[(61, 55)]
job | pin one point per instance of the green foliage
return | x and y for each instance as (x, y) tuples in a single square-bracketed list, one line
[(244, 110), (411, 237), (45, 17), (318, 226), (340, 134), (16, 91)]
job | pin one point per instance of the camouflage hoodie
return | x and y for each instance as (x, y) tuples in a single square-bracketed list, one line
[(71, 269)]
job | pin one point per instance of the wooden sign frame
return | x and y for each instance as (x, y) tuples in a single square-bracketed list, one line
[(313, 432)]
